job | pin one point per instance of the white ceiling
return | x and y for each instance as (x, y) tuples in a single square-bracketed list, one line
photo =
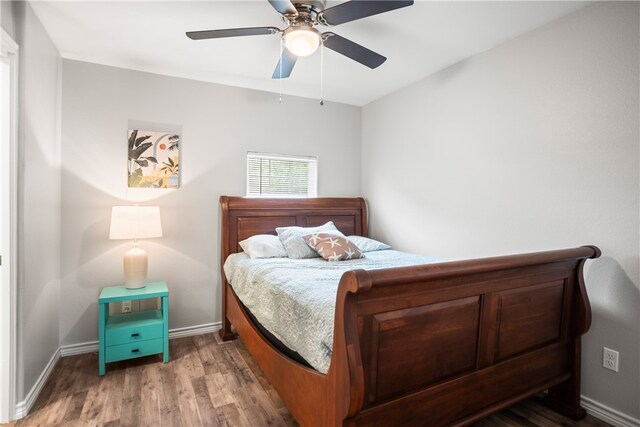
[(417, 40)]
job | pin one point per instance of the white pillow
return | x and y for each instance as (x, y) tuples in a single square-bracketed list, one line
[(263, 246), (368, 245), (292, 239)]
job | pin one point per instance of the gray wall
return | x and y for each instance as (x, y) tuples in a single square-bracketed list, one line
[(530, 146), (219, 125), (38, 194)]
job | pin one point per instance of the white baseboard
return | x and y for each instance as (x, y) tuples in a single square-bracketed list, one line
[(23, 408), (80, 348), (607, 414), (189, 331)]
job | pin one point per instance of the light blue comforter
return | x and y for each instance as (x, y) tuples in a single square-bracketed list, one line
[(295, 298)]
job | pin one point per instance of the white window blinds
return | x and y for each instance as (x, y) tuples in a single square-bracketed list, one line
[(278, 175)]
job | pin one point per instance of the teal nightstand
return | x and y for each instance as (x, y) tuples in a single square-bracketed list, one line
[(130, 335)]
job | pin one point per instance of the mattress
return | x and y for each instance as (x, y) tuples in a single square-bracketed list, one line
[(294, 299)]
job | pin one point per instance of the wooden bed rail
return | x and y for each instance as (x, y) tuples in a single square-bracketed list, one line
[(404, 336), (390, 276)]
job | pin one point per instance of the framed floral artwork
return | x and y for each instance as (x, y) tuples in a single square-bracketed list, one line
[(154, 159)]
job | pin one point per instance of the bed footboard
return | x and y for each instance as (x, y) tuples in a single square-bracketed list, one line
[(450, 343)]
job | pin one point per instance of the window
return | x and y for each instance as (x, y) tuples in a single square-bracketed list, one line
[(279, 175)]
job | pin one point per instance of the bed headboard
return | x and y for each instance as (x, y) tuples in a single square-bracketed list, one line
[(245, 217)]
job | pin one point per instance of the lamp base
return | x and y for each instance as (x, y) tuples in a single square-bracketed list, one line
[(135, 268)]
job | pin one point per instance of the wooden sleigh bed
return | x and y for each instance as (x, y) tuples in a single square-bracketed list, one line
[(438, 344)]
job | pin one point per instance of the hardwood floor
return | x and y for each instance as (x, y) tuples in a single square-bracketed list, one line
[(207, 383)]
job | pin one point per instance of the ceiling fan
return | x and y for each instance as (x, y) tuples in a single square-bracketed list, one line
[(302, 39)]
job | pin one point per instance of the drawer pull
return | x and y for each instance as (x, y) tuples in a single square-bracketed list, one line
[(135, 350), (136, 335)]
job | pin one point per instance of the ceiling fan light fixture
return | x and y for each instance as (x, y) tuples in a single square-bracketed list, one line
[(301, 40)]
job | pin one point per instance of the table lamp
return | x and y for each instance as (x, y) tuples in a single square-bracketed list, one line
[(135, 222)]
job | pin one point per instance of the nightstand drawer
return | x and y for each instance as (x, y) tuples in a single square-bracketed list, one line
[(133, 334), (136, 349)]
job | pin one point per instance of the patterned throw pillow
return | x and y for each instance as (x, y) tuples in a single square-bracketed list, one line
[(292, 239), (332, 247)]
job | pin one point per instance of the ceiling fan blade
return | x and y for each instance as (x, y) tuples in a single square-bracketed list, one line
[(284, 7), (358, 9), (352, 50), (287, 63), (232, 32)]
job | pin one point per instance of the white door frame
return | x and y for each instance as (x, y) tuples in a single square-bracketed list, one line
[(8, 227)]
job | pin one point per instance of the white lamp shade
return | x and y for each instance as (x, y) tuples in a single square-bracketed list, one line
[(135, 222)]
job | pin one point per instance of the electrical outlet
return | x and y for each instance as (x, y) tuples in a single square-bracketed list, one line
[(610, 359), (126, 306)]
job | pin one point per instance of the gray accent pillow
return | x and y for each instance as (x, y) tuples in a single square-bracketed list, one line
[(368, 245), (263, 246), (292, 239)]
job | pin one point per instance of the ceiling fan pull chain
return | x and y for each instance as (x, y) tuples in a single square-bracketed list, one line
[(280, 67), (321, 72)]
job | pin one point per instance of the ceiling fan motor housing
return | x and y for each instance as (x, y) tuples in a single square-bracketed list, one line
[(318, 5), (307, 12)]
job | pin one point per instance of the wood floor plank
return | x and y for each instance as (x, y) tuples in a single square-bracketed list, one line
[(95, 402), (115, 389), (192, 362), (221, 394), (86, 376), (186, 396), (57, 409), (209, 361), (207, 383), (262, 401), (232, 416), (149, 395), (208, 414), (130, 410), (169, 408), (74, 409), (239, 367)]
